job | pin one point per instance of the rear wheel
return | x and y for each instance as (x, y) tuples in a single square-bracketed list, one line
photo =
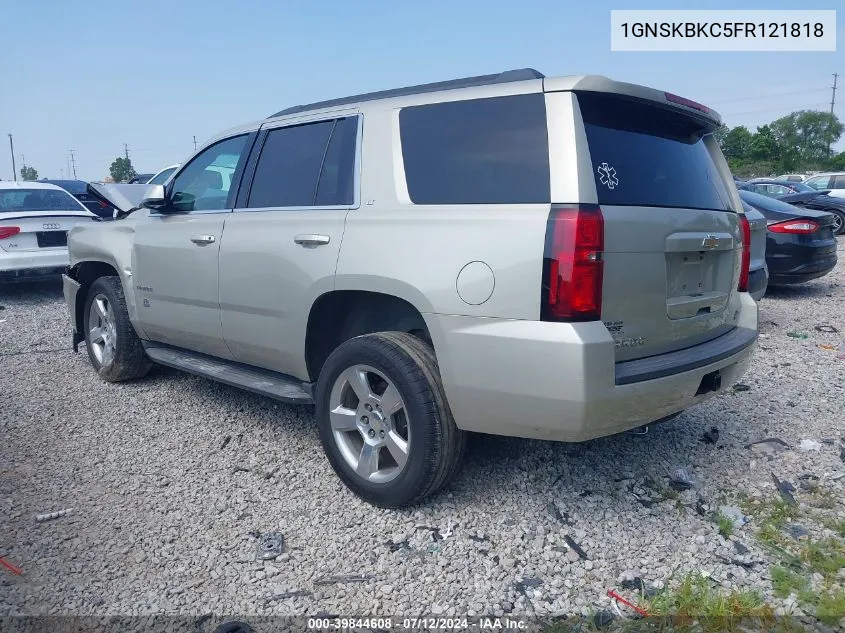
[(838, 221), (384, 421), (113, 346)]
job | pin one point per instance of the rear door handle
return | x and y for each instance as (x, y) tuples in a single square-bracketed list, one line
[(202, 240), (311, 239)]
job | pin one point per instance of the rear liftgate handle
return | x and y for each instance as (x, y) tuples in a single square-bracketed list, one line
[(311, 239)]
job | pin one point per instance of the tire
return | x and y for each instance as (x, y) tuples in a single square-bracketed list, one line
[(839, 217), (433, 444), (115, 350)]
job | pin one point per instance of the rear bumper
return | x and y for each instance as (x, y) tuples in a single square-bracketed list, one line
[(561, 382), (798, 263), (758, 280), (806, 271), (32, 264)]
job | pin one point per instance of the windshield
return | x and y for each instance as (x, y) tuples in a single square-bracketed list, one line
[(800, 187), (161, 177), (38, 200)]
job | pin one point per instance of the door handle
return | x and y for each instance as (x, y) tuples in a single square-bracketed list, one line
[(202, 240), (311, 239)]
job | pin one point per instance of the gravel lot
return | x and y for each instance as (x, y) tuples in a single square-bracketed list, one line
[(173, 477)]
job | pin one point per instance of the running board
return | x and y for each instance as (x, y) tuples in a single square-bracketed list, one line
[(257, 380)]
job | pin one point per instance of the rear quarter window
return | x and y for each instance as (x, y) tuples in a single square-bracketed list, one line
[(645, 155), (480, 151)]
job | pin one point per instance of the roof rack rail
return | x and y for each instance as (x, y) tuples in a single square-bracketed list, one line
[(521, 74)]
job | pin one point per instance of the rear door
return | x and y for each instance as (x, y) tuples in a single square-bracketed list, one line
[(671, 261), (280, 246)]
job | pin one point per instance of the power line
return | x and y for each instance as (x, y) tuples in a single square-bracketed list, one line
[(778, 109), (12, 148), (73, 162), (832, 103)]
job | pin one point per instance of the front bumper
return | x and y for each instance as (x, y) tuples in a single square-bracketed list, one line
[(558, 381)]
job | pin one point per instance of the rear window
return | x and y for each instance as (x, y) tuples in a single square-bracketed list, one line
[(644, 155), (480, 151), (37, 200)]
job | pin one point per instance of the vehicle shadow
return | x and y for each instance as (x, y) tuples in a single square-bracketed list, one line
[(36, 290), (798, 292)]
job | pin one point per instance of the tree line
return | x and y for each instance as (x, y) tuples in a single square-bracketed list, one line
[(796, 143)]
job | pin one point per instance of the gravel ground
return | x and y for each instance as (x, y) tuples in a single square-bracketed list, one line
[(173, 477)]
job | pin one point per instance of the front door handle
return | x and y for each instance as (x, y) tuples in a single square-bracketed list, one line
[(202, 240), (311, 239)]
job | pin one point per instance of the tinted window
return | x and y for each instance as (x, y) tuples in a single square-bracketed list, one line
[(482, 151), (288, 169), (205, 183), (337, 177), (838, 182), (38, 200), (644, 155)]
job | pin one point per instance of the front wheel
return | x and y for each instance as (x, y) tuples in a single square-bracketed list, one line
[(384, 421), (113, 346)]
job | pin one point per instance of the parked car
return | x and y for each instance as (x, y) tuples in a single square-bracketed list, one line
[(140, 179), (758, 274), (161, 177), (34, 220), (800, 244), (833, 183), (802, 195), (556, 258), (793, 177), (79, 189)]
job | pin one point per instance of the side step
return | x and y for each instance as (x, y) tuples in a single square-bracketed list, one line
[(261, 381)]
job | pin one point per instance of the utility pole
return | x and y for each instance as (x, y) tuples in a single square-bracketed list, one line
[(73, 162), (832, 103), (195, 142), (126, 150), (12, 149)]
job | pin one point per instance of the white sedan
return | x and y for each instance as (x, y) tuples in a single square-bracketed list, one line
[(34, 220)]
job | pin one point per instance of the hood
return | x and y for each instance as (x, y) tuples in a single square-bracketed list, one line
[(124, 197)]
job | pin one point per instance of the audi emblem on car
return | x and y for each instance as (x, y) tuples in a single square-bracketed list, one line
[(51, 226)]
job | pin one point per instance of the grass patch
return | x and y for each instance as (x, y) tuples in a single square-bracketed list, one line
[(834, 525), (785, 581), (830, 607), (694, 598), (826, 557), (726, 526)]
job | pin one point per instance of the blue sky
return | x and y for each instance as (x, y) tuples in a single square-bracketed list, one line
[(94, 75)]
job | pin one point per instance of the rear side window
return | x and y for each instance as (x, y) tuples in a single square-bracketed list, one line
[(481, 151), (645, 155), (306, 165)]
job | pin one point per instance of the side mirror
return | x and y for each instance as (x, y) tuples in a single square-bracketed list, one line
[(154, 199)]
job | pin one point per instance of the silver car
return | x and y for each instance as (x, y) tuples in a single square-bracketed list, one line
[(559, 258)]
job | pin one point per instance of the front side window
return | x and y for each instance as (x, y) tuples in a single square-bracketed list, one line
[(306, 165), (819, 182), (205, 183), (161, 177), (480, 151)]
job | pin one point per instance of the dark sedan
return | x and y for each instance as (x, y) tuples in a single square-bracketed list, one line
[(800, 244), (93, 202), (800, 195)]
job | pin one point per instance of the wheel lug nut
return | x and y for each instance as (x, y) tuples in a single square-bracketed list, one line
[(372, 433), (381, 434), (368, 407), (365, 420)]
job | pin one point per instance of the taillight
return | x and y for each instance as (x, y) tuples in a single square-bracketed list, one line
[(799, 227), (9, 231), (746, 254), (572, 264)]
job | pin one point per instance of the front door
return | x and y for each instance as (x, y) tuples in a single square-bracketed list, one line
[(175, 254)]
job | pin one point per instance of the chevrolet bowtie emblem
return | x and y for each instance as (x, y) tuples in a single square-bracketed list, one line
[(710, 242)]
